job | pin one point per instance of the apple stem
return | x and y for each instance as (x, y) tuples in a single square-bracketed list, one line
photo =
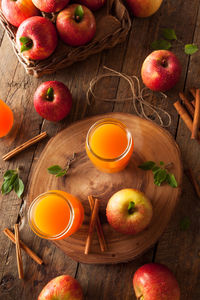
[(78, 14), (50, 94), (164, 63)]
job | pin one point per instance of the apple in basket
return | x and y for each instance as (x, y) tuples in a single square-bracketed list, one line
[(155, 281), (52, 100), (129, 211), (161, 70), (92, 4), (63, 287), (36, 38), (76, 25), (143, 8), (50, 6), (16, 11)]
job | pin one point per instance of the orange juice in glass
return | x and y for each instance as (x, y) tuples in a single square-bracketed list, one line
[(109, 145), (6, 119), (55, 215)]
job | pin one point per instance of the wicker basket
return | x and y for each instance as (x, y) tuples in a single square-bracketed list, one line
[(113, 24)]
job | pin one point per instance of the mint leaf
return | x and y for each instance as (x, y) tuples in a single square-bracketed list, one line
[(6, 188), (169, 34), (185, 223), (19, 187), (148, 165), (131, 207), (54, 170), (161, 163), (8, 174), (171, 180), (160, 176), (62, 173), (191, 49), (161, 45)]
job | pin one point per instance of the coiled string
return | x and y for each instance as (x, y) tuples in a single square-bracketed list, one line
[(137, 98)]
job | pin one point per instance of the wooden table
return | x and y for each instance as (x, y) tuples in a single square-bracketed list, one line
[(178, 249)]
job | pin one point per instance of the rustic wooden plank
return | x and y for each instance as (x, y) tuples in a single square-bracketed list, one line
[(179, 248)]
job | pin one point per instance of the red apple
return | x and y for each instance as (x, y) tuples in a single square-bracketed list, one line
[(76, 25), (36, 38), (53, 100), (161, 70), (143, 8), (155, 282), (63, 287), (50, 6), (129, 211), (92, 4), (16, 11)]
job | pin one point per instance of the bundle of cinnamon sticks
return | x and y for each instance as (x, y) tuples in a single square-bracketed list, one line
[(190, 112)]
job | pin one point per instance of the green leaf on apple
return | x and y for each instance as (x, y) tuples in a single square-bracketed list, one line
[(131, 207), (191, 49), (161, 45), (148, 165), (169, 34), (185, 223), (27, 43), (50, 94), (79, 13)]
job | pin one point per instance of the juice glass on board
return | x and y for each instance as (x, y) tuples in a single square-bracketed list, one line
[(6, 119), (109, 145), (55, 215)]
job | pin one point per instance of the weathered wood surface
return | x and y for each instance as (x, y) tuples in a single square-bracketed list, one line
[(176, 248)]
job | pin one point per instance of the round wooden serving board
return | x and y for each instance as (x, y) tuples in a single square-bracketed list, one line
[(150, 143)]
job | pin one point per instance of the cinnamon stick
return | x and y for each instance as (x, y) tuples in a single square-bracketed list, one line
[(193, 180), (18, 253), (93, 221), (188, 104), (185, 117), (25, 145), (11, 236), (196, 121), (99, 229)]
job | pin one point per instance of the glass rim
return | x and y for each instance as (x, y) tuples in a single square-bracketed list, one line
[(34, 227), (110, 121)]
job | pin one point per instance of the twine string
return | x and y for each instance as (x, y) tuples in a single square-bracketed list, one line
[(138, 96)]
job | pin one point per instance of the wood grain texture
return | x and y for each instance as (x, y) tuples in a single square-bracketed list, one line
[(150, 143)]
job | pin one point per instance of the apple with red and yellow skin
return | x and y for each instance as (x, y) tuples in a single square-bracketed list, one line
[(161, 70), (63, 287), (52, 100), (16, 11), (155, 282), (76, 25), (36, 38), (50, 6), (92, 4), (143, 8), (129, 211)]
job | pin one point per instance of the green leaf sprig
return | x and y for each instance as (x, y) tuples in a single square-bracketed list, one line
[(160, 173), (165, 43), (58, 171), (12, 181)]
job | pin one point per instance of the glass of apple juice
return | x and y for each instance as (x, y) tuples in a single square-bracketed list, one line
[(55, 215)]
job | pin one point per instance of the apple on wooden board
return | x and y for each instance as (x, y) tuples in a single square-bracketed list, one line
[(16, 11), (143, 8), (50, 6), (129, 211), (36, 38), (76, 25), (63, 287), (92, 4), (161, 70), (155, 282), (52, 100)]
